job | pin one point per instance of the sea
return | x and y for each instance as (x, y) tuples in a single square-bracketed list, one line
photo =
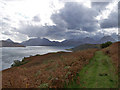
[(9, 54)]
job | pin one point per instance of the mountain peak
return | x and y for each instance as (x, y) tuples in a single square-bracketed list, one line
[(9, 40), (106, 38), (44, 38)]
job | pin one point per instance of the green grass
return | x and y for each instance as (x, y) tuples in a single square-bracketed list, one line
[(44, 85), (99, 73)]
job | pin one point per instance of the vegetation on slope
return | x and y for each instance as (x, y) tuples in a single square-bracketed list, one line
[(18, 63), (113, 51), (99, 73), (86, 46), (52, 70), (91, 46), (66, 69), (104, 45)]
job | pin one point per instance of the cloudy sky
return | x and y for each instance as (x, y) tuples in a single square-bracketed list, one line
[(21, 20)]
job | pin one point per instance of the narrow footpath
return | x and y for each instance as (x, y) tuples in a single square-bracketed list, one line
[(99, 73)]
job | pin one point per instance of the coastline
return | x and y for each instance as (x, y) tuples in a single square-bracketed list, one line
[(58, 69), (30, 55), (48, 68)]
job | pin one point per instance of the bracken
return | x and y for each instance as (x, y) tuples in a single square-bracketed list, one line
[(54, 74)]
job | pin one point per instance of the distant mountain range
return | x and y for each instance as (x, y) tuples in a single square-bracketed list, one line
[(70, 42), (105, 39), (9, 43), (39, 42), (46, 42)]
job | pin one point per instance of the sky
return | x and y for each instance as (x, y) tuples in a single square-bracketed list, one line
[(57, 20)]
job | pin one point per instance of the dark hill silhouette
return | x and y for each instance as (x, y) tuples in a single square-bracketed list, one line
[(106, 39), (39, 42), (69, 42), (9, 43)]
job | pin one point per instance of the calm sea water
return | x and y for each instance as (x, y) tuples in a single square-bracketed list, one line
[(9, 54)]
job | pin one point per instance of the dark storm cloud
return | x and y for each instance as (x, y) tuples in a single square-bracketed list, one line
[(111, 21), (119, 14), (76, 16), (56, 32), (73, 34), (99, 5), (98, 36), (53, 32), (32, 31), (73, 21)]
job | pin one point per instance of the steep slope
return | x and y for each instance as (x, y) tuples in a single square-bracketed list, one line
[(37, 42), (113, 51)]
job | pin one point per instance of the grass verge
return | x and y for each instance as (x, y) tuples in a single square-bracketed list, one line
[(99, 73)]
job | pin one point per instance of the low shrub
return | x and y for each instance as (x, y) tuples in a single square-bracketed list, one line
[(44, 85), (104, 45), (18, 63)]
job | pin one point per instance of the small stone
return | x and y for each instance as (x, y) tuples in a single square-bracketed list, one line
[(56, 78)]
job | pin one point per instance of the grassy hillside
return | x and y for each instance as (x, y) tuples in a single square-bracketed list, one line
[(50, 70), (99, 73), (86, 46), (91, 68), (114, 52)]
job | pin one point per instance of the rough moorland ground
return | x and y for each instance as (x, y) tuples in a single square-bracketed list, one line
[(87, 69), (114, 52), (53, 70)]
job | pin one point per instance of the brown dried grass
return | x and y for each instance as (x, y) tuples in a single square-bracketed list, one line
[(52, 70), (114, 52)]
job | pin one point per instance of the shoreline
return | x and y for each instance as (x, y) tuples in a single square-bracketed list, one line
[(59, 67), (35, 55)]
